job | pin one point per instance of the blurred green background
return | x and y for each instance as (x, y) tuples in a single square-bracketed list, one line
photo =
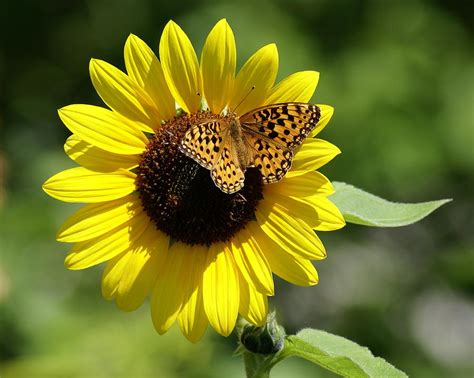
[(401, 77)]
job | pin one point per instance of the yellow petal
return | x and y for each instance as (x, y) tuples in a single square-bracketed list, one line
[(303, 186), (145, 263), (103, 128), (298, 87), (192, 319), (218, 66), (252, 262), (94, 220), (253, 305), (221, 289), (294, 269), (326, 114), (312, 154), (81, 185), (145, 69), (291, 267), (329, 216), (107, 246), (96, 159), (181, 67), (254, 80), (298, 209), (291, 235), (168, 294), (122, 94), (112, 274)]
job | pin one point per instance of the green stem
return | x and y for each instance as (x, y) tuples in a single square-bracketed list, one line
[(259, 346), (255, 366)]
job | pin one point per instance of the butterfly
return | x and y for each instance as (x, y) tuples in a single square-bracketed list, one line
[(263, 138)]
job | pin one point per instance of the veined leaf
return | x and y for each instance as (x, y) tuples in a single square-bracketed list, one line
[(339, 355), (366, 209)]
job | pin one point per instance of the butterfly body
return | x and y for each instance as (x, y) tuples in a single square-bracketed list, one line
[(242, 148), (263, 138)]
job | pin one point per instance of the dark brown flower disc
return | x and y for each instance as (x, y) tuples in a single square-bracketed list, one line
[(180, 196)]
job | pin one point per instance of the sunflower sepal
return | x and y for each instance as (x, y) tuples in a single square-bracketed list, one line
[(265, 340)]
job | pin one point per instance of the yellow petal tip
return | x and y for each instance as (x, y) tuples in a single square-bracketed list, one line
[(272, 46), (95, 63), (45, 187), (68, 264), (132, 38), (224, 332), (222, 21), (171, 24), (315, 75), (329, 109), (63, 110)]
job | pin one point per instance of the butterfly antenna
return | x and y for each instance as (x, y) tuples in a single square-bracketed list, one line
[(174, 138), (247, 95), (242, 196)]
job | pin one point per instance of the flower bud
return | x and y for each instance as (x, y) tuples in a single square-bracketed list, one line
[(268, 339)]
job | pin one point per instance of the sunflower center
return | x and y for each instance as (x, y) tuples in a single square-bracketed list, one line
[(180, 196)]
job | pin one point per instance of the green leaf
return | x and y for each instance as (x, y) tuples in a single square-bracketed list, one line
[(337, 354), (363, 208)]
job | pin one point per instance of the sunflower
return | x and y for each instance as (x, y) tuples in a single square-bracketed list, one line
[(155, 217)]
